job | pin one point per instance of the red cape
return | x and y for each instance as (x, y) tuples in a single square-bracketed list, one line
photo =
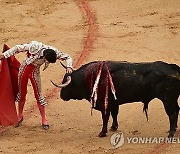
[(8, 90)]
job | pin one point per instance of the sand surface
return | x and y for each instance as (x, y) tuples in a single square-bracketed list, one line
[(121, 30)]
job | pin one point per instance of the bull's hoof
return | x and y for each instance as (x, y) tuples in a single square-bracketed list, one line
[(171, 134), (102, 134), (114, 128)]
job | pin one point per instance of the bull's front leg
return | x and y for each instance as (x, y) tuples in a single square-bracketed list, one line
[(172, 111), (105, 118)]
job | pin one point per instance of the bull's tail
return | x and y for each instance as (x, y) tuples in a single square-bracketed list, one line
[(145, 109)]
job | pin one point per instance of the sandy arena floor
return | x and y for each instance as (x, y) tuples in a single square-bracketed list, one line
[(133, 30)]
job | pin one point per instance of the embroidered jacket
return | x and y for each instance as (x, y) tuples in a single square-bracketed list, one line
[(34, 50)]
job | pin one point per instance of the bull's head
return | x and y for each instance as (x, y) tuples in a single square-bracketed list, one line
[(65, 83), (73, 86)]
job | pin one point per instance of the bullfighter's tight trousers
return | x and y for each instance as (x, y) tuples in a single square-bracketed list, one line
[(33, 73)]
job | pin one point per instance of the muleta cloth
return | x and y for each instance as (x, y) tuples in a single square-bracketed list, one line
[(8, 89)]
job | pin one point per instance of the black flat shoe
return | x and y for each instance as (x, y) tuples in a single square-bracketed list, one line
[(46, 127), (19, 123)]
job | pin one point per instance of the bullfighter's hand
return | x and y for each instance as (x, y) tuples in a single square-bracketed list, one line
[(69, 70), (1, 57)]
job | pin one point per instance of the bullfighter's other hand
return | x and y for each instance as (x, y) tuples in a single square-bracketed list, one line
[(1, 57)]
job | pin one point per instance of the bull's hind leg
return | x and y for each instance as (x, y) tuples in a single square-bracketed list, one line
[(172, 112), (177, 114), (114, 113)]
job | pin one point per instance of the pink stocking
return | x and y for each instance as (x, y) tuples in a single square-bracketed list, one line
[(42, 112), (20, 110)]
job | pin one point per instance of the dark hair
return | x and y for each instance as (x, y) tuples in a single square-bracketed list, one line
[(50, 55)]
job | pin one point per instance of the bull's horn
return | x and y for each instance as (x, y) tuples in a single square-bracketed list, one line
[(63, 65), (66, 66), (64, 84)]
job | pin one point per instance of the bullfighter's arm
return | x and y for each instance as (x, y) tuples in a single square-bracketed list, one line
[(16, 49), (62, 56)]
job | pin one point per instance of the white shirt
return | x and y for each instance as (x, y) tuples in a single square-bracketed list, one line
[(35, 49)]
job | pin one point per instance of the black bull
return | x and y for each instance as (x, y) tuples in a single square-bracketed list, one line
[(133, 82)]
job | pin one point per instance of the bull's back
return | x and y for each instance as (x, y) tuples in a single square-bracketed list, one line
[(139, 81)]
